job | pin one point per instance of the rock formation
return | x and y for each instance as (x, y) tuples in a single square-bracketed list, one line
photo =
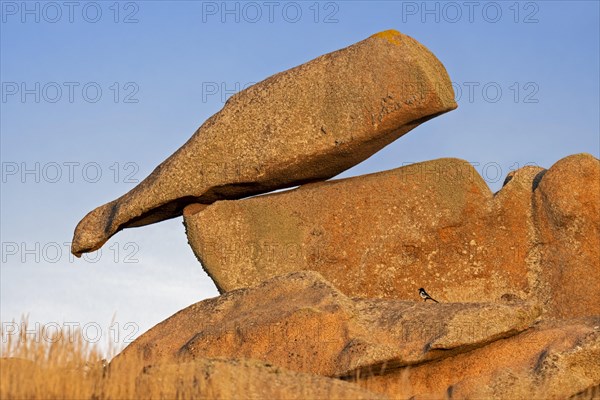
[(301, 322), (319, 285), (306, 124), (434, 224), (567, 218), (379, 235), (552, 360)]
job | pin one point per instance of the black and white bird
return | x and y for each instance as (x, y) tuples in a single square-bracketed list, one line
[(425, 296)]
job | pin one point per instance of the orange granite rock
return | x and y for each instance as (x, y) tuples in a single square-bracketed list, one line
[(306, 124)]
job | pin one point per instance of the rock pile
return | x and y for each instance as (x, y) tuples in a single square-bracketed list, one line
[(319, 285)]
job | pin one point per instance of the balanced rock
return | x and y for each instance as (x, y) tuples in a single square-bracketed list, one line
[(301, 322), (248, 379), (434, 224), (305, 124)]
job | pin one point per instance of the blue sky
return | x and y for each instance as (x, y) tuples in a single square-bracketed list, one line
[(97, 94)]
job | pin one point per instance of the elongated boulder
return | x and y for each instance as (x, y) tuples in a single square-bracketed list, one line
[(305, 124), (301, 322)]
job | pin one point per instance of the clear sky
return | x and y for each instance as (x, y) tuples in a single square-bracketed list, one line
[(97, 94)]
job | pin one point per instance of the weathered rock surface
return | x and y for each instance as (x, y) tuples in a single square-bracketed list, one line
[(305, 124), (379, 235), (434, 224), (301, 322), (567, 216), (554, 360), (248, 379)]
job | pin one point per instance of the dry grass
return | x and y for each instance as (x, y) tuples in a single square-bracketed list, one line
[(62, 365), (57, 365)]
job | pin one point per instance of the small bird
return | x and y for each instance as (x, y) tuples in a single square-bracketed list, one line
[(425, 296)]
